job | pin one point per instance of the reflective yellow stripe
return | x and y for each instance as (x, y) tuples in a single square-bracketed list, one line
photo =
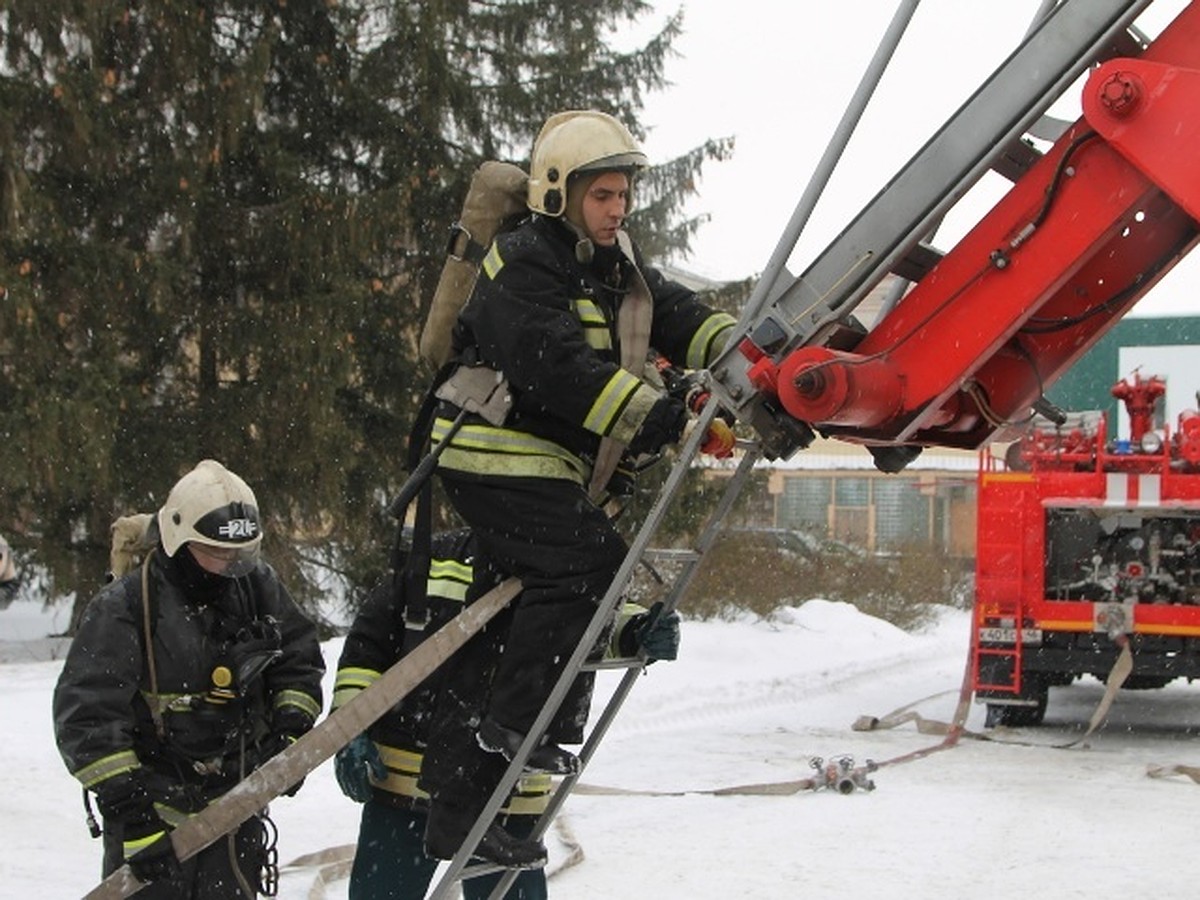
[(105, 768), (595, 326), (527, 804), (342, 696), (627, 611), (709, 340), (530, 797), (608, 406), (349, 681), (634, 413), (355, 677), (400, 760), (169, 702), (403, 767), (492, 263), (487, 450), (448, 579), (300, 700), (133, 846), (170, 815)]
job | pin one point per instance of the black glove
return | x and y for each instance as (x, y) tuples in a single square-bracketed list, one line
[(663, 425), (124, 799), (356, 766), (658, 633), (274, 744), (654, 631), (155, 862), (123, 796), (288, 725)]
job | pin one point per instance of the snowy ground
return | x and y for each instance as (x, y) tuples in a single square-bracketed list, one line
[(750, 703)]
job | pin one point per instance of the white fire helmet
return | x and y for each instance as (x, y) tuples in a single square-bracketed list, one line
[(212, 506), (578, 141)]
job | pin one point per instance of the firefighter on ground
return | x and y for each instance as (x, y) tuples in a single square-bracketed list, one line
[(566, 312), (186, 674), (380, 768)]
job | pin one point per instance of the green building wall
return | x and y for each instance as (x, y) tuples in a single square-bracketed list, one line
[(1088, 384)]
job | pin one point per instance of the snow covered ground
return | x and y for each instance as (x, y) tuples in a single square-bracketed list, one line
[(751, 702)]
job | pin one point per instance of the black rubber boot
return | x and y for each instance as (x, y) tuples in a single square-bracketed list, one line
[(448, 825), (495, 738)]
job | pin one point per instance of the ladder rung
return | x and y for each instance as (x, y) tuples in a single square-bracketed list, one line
[(623, 662), (666, 554), (916, 263)]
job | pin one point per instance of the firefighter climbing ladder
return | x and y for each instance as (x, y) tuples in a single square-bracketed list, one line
[(688, 563)]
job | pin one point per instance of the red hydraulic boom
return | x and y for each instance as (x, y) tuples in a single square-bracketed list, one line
[(1085, 231)]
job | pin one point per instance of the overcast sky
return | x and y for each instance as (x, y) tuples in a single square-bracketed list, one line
[(777, 74)]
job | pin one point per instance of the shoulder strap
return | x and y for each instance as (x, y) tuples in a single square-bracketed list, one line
[(634, 320), (148, 623)]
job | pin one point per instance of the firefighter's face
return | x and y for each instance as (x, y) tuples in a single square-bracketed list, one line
[(228, 561), (604, 205)]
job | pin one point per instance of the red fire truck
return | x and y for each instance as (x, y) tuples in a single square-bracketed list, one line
[(1086, 543)]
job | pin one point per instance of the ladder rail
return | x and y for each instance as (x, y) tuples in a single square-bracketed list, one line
[(775, 270), (679, 588), (604, 611)]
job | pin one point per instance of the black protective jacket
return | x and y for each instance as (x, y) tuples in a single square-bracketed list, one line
[(376, 642), (550, 324), (211, 735)]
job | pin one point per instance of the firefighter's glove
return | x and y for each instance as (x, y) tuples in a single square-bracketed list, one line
[(657, 632), (156, 860), (125, 803), (357, 766), (288, 725), (663, 425), (719, 440)]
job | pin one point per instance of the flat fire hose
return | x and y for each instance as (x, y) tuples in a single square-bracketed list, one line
[(286, 769), (1112, 684), (1116, 677), (951, 732), (1192, 772)]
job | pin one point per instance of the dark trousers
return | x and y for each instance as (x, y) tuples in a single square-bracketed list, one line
[(390, 863), (209, 875), (566, 552)]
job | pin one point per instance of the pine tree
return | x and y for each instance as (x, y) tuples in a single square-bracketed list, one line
[(220, 225)]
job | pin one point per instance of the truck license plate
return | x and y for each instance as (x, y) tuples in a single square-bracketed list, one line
[(1009, 635)]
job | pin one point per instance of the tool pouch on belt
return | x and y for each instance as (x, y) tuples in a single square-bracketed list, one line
[(479, 390), (495, 200)]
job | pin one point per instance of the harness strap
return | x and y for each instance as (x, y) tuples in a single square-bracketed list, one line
[(411, 570), (148, 629), (416, 572), (634, 320)]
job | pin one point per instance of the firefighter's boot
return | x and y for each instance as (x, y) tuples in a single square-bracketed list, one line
[(548, 757), (447, 827)]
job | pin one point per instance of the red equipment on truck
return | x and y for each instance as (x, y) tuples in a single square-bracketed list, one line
[(1086, 544)]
